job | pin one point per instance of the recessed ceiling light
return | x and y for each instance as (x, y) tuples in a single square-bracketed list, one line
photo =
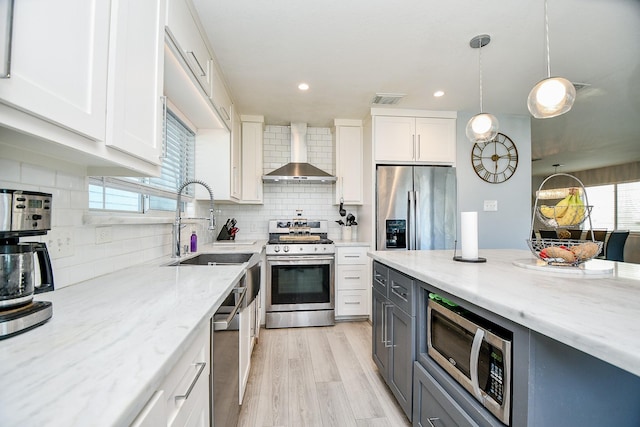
[(438, 93), (303, 86)]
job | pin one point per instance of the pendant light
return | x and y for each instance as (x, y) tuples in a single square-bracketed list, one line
[(483, 126), (552, 96)]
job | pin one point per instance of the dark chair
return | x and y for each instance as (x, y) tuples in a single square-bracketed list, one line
[(614, 249), (548, 234)]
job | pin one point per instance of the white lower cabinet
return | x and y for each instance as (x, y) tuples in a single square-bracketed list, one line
[(154, 412), (182, 400), (352, 281), (245, 347)]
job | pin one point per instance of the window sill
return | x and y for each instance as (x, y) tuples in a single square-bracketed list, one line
[(111, 218), (125, 219)]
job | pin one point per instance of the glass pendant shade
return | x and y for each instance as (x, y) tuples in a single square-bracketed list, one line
[(482, 127), (551, 97)]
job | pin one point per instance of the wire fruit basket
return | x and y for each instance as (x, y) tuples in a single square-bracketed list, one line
[(568, 213)]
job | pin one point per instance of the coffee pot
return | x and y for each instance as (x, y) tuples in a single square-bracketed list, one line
[(23, 214)]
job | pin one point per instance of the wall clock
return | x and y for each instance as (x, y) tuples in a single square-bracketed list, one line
[(495, 161)]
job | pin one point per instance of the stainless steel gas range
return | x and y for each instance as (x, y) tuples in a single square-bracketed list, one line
[(300, 274)]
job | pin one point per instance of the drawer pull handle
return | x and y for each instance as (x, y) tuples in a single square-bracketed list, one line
[(352, 302), (201, 366), (352, 277), (400, 294), (352, 256)]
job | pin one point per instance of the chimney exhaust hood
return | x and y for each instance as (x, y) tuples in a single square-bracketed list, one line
[(298, 169)]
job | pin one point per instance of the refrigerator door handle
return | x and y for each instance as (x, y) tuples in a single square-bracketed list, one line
[(416, 221), (411, 244)]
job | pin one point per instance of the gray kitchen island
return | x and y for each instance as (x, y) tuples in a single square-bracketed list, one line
[(575, 336)]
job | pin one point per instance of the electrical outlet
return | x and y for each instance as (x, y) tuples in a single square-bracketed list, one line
[(103, 235), (60, 243), (490, 205)]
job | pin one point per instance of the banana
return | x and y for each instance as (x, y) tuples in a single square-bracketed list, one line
[(562, 206), (548, 211), (574, 213)]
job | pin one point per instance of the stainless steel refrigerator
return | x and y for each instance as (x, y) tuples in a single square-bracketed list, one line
[(416, 207)]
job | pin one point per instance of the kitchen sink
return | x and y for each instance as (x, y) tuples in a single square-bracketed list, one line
[(215, 259)]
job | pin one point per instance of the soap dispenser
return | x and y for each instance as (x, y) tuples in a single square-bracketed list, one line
[(194, 241)]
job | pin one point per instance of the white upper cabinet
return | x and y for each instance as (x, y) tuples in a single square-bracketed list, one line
[(349, 160), (252, 160), (413, 136), (394, 138), (220, 97), (59, 57), (183, 27), (436, 140), (236, 156), (135, 107)]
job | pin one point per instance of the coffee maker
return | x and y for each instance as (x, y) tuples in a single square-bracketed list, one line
[(23, 214)]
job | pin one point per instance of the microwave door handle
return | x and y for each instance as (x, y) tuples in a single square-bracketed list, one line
[(475, 356)]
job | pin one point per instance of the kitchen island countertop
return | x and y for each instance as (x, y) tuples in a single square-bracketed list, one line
[(598, 314), (110, 343)]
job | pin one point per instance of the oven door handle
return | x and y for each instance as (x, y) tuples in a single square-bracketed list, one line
[(294, 258), (473, 362)]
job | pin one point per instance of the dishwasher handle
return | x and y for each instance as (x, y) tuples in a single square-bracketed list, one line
[(222, 325)]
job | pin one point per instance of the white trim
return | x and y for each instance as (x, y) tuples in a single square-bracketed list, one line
[(397, 112)]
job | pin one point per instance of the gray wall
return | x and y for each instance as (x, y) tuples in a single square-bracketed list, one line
[(509, 226)]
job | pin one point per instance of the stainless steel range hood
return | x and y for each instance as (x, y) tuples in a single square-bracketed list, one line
[(299, 169)]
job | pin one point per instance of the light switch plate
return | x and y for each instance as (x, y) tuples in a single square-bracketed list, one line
[(490, 205)]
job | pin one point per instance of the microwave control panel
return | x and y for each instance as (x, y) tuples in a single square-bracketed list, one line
[(495, 387)]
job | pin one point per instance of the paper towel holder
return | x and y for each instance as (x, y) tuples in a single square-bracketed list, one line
[(459, 258)]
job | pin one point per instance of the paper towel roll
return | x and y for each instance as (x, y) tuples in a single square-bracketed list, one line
[(469, 235)]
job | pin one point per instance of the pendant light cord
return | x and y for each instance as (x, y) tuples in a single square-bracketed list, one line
[(480, 65), (546, 32)]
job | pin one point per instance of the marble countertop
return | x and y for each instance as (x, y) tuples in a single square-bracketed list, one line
[(597, 314), (110, 343)]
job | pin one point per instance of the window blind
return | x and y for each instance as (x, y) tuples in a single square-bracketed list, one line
[(129, 194)]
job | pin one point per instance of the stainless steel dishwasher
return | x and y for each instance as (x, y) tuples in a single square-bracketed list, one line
[(225, 351)]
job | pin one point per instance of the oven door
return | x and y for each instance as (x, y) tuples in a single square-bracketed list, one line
[(300, 282)]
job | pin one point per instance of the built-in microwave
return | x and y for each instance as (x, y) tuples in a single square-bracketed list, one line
[(474, 351)]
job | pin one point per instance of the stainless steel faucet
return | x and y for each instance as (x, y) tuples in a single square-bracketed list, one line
[(175, 251)]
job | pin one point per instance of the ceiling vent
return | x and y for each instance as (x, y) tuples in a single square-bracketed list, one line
[(387, 98)]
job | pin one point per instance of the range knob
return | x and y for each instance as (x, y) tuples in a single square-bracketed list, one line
[(276, 249), (286, 249)]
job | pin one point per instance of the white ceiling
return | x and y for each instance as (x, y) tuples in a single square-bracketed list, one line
[(348, 50)]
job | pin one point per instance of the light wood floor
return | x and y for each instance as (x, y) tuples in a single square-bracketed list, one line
[(321, 376)]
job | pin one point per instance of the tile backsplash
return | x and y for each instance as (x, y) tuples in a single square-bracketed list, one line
[(82, 247), (281, 200)]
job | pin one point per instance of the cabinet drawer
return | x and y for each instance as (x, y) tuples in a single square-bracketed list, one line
[(380, 278), (351, 277), (352, 303), (433, 405), (401, 291), (191, 370), (354, 255)]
